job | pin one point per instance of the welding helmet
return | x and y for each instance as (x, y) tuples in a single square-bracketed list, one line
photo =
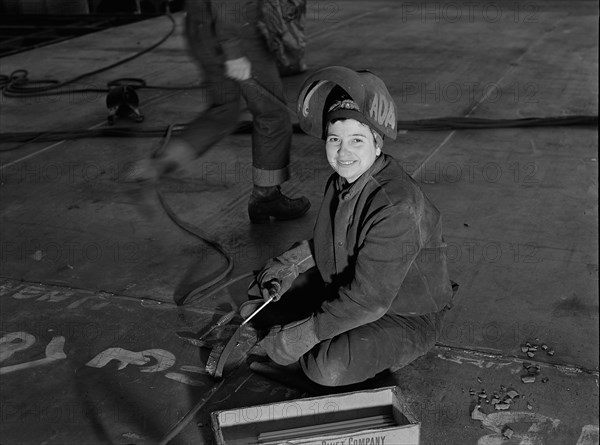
[(337, 92)]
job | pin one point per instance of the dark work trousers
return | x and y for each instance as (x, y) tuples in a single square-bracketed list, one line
[(389, 343), (272, 132)]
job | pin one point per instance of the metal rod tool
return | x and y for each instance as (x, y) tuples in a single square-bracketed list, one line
[(273, 287)]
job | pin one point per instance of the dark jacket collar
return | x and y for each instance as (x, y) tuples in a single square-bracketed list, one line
[(347, 190)]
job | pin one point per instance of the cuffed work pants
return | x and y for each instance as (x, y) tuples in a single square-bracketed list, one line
[(272, 129)]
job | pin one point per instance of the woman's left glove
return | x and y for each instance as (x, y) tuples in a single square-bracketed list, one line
[(285, 268), (285, 345)]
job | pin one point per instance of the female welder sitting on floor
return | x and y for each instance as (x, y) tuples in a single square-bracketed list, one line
[(376, 297)]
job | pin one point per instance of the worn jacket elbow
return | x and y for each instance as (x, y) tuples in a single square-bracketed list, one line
[(376, 312)]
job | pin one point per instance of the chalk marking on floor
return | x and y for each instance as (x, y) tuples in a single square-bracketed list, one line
[(40, 293), (196, 369), (55, 296), (79, 302), (479, 362), (497, 421), (453, 354), (7, 288), (125, 357), (54, 352), (568, 370), (29, 292), (8, 345), (182, 378), (589, 435), (165, 360)]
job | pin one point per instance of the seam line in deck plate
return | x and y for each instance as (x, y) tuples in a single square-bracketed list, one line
[(508, 71)]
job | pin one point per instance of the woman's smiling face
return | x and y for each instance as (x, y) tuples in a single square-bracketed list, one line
[(350, 147)]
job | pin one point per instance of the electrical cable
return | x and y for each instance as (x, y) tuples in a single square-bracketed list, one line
[(194, 294), (473, 123), (18, 84), (434, 124)]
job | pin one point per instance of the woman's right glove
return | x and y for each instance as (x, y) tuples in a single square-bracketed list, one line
[(285, 345), (279, 273)]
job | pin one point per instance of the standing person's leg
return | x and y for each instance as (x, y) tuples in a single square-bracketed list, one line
[(272, 135), (362, 353), (224, 94), (213, 124)]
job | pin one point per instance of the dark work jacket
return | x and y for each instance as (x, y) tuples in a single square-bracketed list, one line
[(378, 246), (226, 19)]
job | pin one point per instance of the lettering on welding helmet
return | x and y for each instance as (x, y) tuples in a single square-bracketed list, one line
[(382, 111)]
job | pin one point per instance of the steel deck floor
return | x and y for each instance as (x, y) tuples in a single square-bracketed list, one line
[(89, 279)]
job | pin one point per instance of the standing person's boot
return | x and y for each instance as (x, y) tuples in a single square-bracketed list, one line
[(266, 202)]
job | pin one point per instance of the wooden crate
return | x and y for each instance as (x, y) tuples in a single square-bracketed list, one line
[(375, 417)]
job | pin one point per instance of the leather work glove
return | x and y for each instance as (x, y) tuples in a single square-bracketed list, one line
[(284, 269), (285, 345), (239, 69)]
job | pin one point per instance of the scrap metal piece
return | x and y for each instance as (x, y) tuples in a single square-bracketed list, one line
[(550, 352), (502, 406), (531, 368), (513, 394), (213, 359), (507, 432), (528, 379)]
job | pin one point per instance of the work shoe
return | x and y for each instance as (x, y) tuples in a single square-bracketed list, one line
[(275, 204)]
